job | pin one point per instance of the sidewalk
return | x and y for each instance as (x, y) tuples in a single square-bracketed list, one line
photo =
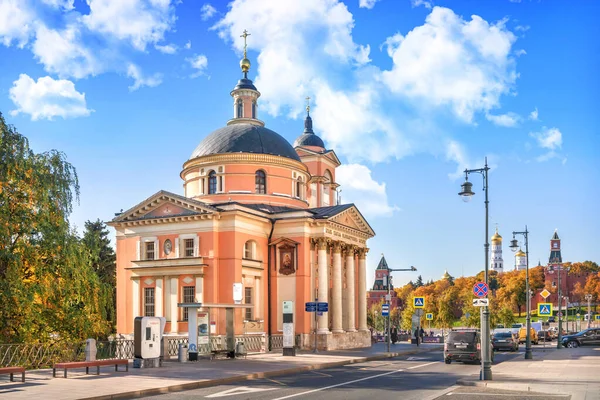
[(175, 376), (565, 371)]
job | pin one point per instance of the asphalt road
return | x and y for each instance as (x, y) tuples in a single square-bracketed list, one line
[(423, 376), (479, 393)]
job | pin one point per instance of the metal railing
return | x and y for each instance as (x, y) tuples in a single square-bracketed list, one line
[(33, 356)]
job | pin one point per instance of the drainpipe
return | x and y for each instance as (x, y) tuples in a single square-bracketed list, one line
[(272, 220)]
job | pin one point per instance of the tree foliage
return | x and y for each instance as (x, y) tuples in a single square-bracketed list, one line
[(48, 289)]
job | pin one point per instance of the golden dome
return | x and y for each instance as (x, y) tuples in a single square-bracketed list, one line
[(496, 238), (245, 65), (520, 253)]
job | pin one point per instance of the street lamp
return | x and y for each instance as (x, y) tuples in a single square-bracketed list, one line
[(389, 299), (466, 193), (514, 244)]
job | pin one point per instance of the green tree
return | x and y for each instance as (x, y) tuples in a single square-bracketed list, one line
[(48, 289), (419, 282)]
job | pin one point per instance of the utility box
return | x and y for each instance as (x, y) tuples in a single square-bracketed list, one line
[(90, 350), (147, 335)]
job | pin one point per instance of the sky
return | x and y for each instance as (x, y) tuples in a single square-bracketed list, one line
[(408, 93)]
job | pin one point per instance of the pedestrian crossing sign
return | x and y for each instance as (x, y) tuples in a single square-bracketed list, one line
[(429, 316), (419, 302), (597, 317), (544, 309)]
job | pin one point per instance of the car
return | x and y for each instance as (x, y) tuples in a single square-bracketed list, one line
[(505, 340), (551, 319), (532, 335), (588, 337), (464, 345), (545, 336)]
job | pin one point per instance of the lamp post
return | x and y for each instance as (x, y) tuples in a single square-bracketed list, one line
[(588, 297), (467, 193), (514, 245), (389, 299)]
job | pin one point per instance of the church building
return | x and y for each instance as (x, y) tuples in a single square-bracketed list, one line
[(256, 212)]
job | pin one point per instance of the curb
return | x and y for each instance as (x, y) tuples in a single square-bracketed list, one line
[(258, 375)]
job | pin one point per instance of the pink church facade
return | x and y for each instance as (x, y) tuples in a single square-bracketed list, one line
[(255, 211)]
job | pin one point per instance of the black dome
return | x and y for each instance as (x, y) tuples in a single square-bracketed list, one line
[(308, 137), (245, 138)]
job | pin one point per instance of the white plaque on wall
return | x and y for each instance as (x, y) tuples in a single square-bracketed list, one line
[(288, 334), (237, 293)]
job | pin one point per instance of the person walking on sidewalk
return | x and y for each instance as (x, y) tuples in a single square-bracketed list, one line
[(417, 336)]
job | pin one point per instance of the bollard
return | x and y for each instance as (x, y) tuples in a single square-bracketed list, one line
[(182, 355), (90, 350)]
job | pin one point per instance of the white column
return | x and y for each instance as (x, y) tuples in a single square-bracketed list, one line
[(323, 320), (336, 292), (173, 301), (167, 291), (257, 298), (313, 276), (158, 298), (350, 287), (200, 289), (135, 296), (362, 290)]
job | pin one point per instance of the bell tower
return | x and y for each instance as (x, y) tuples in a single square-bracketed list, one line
[(496, 261)]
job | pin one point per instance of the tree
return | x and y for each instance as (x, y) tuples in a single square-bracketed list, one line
[(419, 281), (48, 290)]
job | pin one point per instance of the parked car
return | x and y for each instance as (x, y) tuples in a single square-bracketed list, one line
[(545, 336), (551, 319), (532, 334), (463, 345), (505, 341), (590, 337)]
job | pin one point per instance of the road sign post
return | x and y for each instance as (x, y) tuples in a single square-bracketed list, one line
[(544, 309), (480, 289), (419, 302), (385, 310)]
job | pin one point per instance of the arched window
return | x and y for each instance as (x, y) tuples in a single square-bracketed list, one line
[(239, 109), (299, 188), (250, 250), (326, 184), (260, 182), (254, 109), (212, 182)]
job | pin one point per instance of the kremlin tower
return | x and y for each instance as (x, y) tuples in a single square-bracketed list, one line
[(520, 260), (496, 261)]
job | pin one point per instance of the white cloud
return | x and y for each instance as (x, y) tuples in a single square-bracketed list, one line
[(47, 98), (188, 45), (359, 187), (369, 4), (199, 62), (166, 49), (520, 52), (534, 115), (522, 28), (548, 138), (456, 152), (15, 22), (508, 120), (424, 3), (64, 4), (207, 11), (133, 71), (139, 21), (449, 61), (63, 53)]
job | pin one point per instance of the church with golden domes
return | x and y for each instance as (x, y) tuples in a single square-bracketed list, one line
[(259, 220)]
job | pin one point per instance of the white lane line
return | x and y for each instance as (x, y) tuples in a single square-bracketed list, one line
[(350, 382), (508, 394)]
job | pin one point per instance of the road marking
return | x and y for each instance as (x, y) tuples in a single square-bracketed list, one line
[(508, 394), (350, 382), (274, 381), (322, 373), (415, 358), (238, 390)]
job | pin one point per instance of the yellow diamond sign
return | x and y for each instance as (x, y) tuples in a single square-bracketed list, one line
[(545, 293)]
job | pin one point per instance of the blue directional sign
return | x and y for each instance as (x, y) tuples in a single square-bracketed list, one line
[(385, 310), (544, 309), (419, 302), (322, 306), (597, 317), (311, 306), (429, 316)]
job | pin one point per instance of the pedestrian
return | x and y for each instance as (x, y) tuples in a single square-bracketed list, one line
[(417, 336)]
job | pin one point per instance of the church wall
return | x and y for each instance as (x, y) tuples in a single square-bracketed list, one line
[(126, 251)]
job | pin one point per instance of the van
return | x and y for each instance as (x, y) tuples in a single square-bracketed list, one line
[(523, 335), (464, 345)]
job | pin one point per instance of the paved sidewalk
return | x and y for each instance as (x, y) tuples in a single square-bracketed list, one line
[(565, 371), (175, 376)]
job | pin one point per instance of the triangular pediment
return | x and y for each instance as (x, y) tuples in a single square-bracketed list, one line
[(352, 218), (164, 205)]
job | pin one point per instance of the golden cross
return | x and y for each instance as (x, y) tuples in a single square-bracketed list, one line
[(307, 103), (245, 35)]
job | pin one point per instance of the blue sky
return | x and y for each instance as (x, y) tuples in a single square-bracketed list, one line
[(408, 93)]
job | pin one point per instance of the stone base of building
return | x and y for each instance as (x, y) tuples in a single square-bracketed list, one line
[(336, 341)]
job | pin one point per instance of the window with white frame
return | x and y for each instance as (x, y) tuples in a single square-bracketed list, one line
[(248, 300), (149, 301), (150, 251), (189, 296), (250, 250), (299, 187), (188, 247)]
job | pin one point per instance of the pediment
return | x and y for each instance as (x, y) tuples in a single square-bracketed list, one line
[(352, 218), (164, 205)]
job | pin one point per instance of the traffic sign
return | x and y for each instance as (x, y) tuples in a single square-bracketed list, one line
[(578, 316), (597, 317), (429, 316), (545, 293), (544, 309), (311, 306), (481, 302), (385, 310), (322, 306), (480, 289), (419, 302)]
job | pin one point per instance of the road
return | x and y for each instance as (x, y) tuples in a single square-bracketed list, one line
[(424, 376)]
